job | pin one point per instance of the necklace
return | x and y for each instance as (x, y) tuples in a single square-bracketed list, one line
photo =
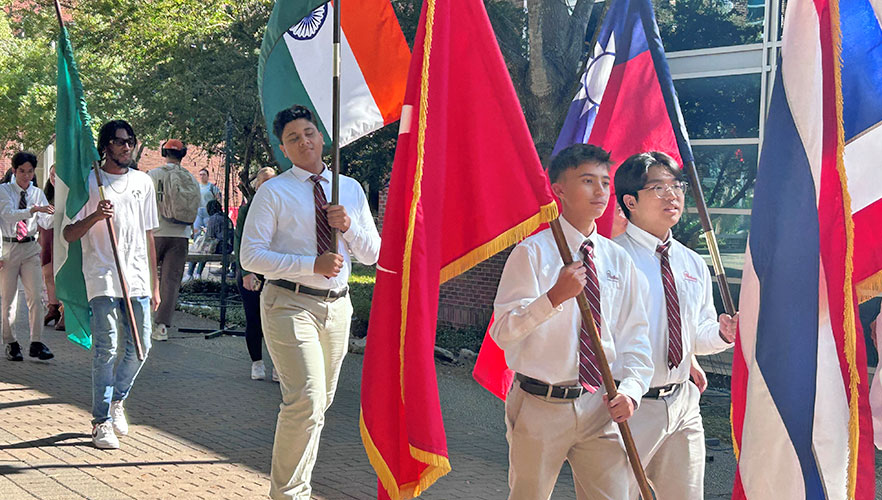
[(110, 184)]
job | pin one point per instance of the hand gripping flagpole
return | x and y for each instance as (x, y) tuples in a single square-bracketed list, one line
[(130, 313), (335, 126), (605, 372)]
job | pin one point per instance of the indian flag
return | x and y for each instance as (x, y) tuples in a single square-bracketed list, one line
[(296, 66), (74, 153)]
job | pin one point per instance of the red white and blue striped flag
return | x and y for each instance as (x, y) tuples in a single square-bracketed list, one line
[(627, 105), (800, 414)]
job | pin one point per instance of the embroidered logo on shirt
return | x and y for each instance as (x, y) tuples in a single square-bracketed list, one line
[(612, 277), (689, 277)]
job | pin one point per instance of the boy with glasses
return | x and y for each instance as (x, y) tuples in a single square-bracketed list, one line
[(683, 321), (130, 205)]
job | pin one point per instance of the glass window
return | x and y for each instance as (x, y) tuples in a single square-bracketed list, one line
[(727, 174), (721, 107), (700, 24)]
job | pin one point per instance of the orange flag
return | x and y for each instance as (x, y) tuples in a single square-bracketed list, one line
[(466, 183)]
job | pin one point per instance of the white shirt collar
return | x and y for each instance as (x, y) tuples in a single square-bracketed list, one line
[(16, 188), (575, 238), (303, 175), (646, 239)]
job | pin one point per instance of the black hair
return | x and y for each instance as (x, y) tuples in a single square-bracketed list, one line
[(286, 116), (213, 207), (174, 153), (108, 133), (631, 175), (575, 155), (22, 157), (204, 170)]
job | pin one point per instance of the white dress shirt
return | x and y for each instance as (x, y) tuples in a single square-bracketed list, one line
[(10, 214), (699, 326), (542, 342), (279, 238)]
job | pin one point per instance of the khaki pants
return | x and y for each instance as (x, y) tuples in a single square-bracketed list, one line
[(171, 256), (543, 433), (21, 260), (670, 440), (307, 338)]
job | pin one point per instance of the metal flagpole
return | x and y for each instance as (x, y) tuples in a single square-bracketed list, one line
[(335, 147)]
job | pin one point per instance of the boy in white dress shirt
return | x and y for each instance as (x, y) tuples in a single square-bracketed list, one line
[(23, 207), (305, 306), (682, 321), (557, 409)]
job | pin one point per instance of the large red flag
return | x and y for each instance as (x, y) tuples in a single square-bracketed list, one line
[(466, 183)]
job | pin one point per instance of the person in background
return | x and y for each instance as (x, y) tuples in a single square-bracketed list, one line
[(174, 187), (250, 286), (207, 193), (55, 311), (23, 207)]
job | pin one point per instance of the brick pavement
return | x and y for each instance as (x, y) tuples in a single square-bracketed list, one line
[(200, 428)]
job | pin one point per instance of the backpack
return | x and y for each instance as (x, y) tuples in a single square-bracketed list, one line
[(177, 193)]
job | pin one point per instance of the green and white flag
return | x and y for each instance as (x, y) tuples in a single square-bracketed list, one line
[(74, 153), (296, 66)]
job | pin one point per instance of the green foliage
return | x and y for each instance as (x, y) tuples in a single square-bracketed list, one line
[(361, 291)]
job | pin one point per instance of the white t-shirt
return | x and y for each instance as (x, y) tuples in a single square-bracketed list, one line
[(134, 213)]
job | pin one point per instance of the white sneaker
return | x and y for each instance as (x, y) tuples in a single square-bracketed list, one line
[(118, 417), (258, 371), (103, 436), (160, 332), (275, 375)]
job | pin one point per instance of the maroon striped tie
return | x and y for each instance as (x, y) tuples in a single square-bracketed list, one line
[(672, 302), (21, 227), (322, 228), (589, 371)]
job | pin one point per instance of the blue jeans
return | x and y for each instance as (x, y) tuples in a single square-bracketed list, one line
[(108, 315)]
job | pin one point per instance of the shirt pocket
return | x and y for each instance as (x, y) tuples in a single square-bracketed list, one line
[(690, 292)]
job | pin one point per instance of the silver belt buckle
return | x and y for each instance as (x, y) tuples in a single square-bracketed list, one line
[(296, 287), (665, 392), (328, 295)]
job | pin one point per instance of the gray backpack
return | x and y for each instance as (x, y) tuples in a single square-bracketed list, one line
[(177, 193)]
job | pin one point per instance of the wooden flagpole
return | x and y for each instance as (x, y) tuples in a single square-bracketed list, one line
[(130, 313), (605, 372)]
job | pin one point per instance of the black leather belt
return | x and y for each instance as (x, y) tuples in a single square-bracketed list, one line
[(315, 292), (540, 388), (660, 392), (16, 240)]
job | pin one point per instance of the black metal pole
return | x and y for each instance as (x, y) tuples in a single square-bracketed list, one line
[(228, 153)]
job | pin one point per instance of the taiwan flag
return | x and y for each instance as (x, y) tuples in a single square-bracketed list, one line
[(626, 104)]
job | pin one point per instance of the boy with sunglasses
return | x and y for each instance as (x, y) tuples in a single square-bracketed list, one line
[(130, 205), (683, 321)]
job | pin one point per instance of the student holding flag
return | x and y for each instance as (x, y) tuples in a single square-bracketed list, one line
[(305, 305), (683, 321), (130, 205), (23, 207), (557, 409)]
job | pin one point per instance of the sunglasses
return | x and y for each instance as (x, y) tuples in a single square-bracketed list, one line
[(122, 142)]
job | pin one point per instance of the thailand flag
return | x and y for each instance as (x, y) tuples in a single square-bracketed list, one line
[(800, 413), (626, 105)]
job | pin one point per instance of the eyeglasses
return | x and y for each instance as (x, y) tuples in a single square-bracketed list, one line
[(123, 142), (678, 188)]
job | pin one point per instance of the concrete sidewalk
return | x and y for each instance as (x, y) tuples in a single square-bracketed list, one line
[(201, 428)]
